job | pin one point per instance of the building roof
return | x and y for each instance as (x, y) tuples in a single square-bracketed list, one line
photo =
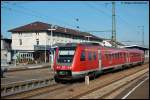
[(35, 26), (40, 26)]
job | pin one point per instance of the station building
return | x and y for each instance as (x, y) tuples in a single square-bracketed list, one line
[(32, 42)]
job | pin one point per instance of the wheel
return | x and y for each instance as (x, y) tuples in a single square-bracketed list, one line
[(92, 75), (57, 80)]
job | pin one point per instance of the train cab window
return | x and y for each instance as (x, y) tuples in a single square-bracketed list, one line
[(89, 55), (82, 57), (65, 55), (94, 55)]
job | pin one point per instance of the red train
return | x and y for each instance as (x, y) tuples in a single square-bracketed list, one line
[(75, 60)]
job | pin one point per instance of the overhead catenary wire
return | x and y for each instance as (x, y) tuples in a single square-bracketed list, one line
[(36, 14), (122, 19), (109, 16)]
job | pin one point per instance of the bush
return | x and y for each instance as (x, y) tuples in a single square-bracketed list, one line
[(31, 62)]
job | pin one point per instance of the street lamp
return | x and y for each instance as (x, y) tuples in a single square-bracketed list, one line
[(88, 36), (51, 43), (15, 58)]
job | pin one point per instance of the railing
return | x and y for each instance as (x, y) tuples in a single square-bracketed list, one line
[(18, 87)]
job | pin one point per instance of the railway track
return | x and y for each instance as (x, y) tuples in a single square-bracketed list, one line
[(102, 91), (121, 88), (77, 91), (47, 86), (23, 86), (51, 87)]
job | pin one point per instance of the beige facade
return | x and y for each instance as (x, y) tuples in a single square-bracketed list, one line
[(23, 43), (28, 40)]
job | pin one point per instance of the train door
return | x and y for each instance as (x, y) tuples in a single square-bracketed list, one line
[(99, 60), (128, 57)]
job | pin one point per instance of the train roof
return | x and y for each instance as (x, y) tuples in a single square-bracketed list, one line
[(94, 44), (75, 44)]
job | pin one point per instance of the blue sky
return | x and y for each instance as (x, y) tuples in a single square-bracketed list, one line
[(92, 15)]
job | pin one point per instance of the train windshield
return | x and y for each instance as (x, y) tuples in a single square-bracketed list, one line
[(65, 55)]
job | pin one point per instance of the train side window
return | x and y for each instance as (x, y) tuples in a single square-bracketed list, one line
[(89, 55), (94, 55), (121, 55), (110, 56), (116, 56), (82, 57), (106, 56)]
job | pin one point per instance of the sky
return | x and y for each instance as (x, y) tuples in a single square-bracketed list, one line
[(92, 16)]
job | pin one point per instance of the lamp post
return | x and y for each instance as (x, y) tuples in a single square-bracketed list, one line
[(45, 49), (51, 43), (15, 58)]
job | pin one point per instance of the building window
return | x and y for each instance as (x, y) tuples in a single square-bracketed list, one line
[(20, 33), (20, 41), (37, 41), (37, 33)]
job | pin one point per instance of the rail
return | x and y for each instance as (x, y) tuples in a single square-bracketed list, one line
[(110, 87), (18, 87)]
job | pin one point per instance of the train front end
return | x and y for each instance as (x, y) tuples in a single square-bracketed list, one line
[(63, 62)]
